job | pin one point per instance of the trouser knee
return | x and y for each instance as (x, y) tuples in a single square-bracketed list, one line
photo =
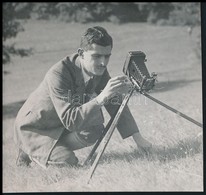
[(77, 140), (91, 135)]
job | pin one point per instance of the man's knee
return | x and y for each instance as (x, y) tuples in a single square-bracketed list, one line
[(77, 140), (92, 135), (23, 159)]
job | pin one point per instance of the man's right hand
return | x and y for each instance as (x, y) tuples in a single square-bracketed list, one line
[(116, 85)]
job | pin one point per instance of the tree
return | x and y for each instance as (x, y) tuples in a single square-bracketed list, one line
[(11, 27)]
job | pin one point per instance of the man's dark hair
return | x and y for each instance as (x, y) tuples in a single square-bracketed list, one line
[(96, 35)]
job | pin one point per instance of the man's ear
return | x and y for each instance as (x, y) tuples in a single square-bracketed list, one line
[(80, 52)]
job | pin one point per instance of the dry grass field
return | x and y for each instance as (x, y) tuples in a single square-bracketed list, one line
[(177, 162)]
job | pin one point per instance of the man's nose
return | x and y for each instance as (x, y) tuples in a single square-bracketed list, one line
[(103, 61)]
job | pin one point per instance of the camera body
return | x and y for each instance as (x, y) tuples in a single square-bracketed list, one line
[(136, 70)]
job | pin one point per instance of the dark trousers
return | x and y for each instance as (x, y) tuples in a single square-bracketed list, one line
[(63, 153)]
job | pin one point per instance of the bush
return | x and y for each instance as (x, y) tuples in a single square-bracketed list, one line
[(155, 13), (125, 12), (44, 10), (72, 12), (158, 11), (185, 14)]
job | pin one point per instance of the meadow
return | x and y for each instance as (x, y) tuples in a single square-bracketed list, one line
[(176, 164)]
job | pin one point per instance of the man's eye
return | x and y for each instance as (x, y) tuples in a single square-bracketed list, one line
[(96, 56), (99, 56)]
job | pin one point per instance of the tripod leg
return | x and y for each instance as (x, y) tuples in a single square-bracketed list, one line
[(88, 160), (172, 109), (109, 133)]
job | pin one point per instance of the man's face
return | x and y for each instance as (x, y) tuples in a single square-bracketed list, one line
[(95, 60)]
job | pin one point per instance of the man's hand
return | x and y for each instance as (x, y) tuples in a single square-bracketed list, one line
[(116, 85), (143, 144)]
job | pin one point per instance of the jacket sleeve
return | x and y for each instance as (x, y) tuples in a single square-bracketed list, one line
[(73, 115), (126, 124)]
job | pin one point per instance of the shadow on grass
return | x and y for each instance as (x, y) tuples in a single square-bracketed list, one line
[(11, 110), (171, 85), (6, 72), (182, 149)]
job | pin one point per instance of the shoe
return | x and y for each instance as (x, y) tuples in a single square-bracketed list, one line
[(23, 159)]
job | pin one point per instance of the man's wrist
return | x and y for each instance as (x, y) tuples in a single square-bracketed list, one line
[(99, 101)]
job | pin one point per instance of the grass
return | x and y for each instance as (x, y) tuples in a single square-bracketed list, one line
[(176, 164)]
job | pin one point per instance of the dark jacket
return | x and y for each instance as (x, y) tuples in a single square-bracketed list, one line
[(61, 102)]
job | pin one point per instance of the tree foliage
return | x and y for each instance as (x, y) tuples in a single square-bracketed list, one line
[(164, 13), (152, 12), (11, 27), (185, 14)]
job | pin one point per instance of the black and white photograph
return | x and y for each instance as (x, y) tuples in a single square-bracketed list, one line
[(102, 97)]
